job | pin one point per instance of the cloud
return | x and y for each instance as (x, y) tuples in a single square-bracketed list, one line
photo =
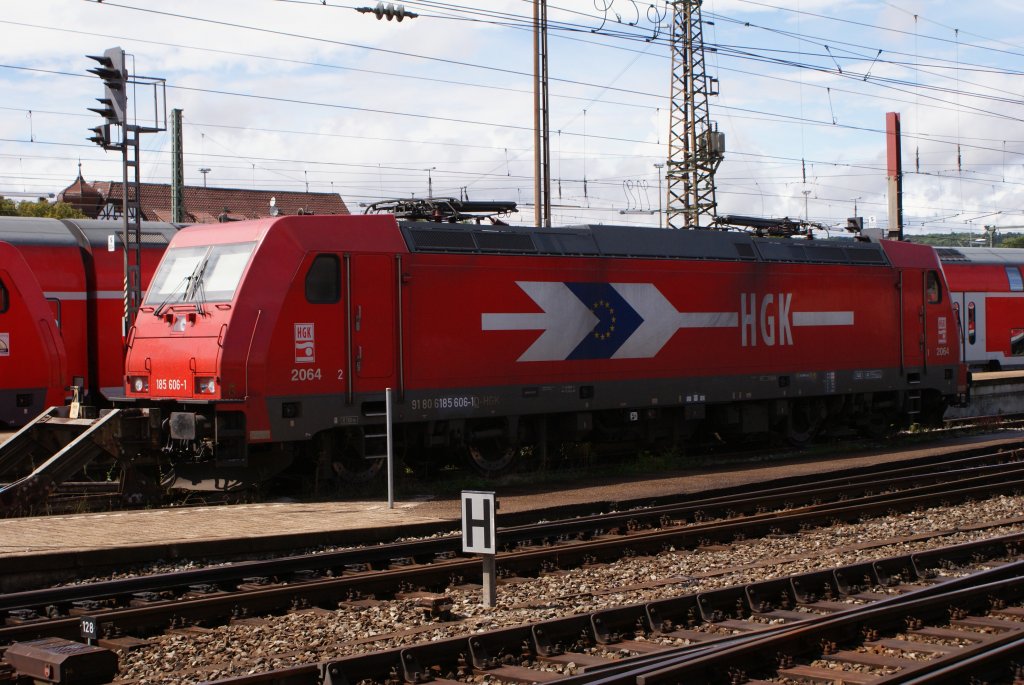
[(277, 95)]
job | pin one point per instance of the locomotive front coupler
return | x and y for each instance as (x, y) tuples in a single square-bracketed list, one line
[(185, 425)]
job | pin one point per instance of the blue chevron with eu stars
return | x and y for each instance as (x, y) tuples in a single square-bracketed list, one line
[(616, 320)]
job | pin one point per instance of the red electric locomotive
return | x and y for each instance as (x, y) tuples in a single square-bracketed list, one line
[(79, 266), (263, 340), (33, 362), (987, 288)]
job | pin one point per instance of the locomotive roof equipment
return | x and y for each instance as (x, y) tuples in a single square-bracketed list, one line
[(443, 209)]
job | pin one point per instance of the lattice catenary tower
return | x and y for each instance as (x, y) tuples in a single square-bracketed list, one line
[(695, 147)]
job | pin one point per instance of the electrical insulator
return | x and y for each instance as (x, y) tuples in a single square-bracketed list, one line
[(391, 11)]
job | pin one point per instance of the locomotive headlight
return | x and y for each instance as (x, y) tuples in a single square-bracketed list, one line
[(206, 386), (138, 383)]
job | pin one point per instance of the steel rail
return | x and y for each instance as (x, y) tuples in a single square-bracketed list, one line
[(753, 505), (930, 603), (703, 662), (215, 606)]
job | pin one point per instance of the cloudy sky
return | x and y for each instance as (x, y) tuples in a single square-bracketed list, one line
[(290, 94)]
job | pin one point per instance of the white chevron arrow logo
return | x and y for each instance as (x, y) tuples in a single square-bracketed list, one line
[(661, 320), (566, 321)]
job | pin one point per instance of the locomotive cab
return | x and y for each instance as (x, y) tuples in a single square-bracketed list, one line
[(175, 349), (192, 296), (930, 337), (253, 338)]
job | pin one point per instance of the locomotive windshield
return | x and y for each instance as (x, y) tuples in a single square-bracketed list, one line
[(208, 273)]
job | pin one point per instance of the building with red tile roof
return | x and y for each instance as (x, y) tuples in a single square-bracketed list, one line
[(82, 196), (102, 200)]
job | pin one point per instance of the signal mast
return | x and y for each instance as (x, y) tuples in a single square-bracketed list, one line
[(120, 131)]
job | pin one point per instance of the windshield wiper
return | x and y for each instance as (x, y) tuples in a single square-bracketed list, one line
[(195, 292), (191, 289)]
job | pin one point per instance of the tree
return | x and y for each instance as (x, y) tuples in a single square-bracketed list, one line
[(1012, 241), (39, 208), (945, 239), (62, 210)]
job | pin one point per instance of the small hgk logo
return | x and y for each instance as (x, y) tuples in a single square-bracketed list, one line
[(305, 346)]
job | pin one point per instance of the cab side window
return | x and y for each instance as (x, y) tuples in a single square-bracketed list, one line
[(5, 298), (56, 308), (933, 288), (323, 280)]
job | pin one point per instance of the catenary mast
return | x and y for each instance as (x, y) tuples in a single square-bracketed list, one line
[(695, 147)]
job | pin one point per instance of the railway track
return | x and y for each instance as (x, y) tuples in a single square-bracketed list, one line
[(711, 520), (788, 491), (126, 613), (942, 616), (1014, 421)]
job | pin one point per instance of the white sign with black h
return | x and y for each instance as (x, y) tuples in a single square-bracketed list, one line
[(478, 522)]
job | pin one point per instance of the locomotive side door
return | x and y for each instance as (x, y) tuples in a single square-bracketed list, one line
[(912, 318), (973, 312), (371, 320)]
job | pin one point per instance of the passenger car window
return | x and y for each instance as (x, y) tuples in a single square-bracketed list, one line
[(1016, 282), (1017, 342), (933, 288), (323, 280), (972, 334)]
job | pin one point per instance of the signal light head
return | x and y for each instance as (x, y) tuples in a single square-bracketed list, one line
[(100, 135), (110, 76), (104, 60), (107, 111), (115, 81)]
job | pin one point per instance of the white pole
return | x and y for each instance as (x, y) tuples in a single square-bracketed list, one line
[(490, 580), (391, 460)]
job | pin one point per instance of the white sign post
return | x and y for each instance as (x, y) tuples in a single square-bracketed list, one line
[(391, 456), (479, 536)]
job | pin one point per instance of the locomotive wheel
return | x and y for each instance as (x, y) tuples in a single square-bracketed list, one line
[(357, 469), (345, 452), (880, 425), (932, 411), (804, 422), (491, 456)]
